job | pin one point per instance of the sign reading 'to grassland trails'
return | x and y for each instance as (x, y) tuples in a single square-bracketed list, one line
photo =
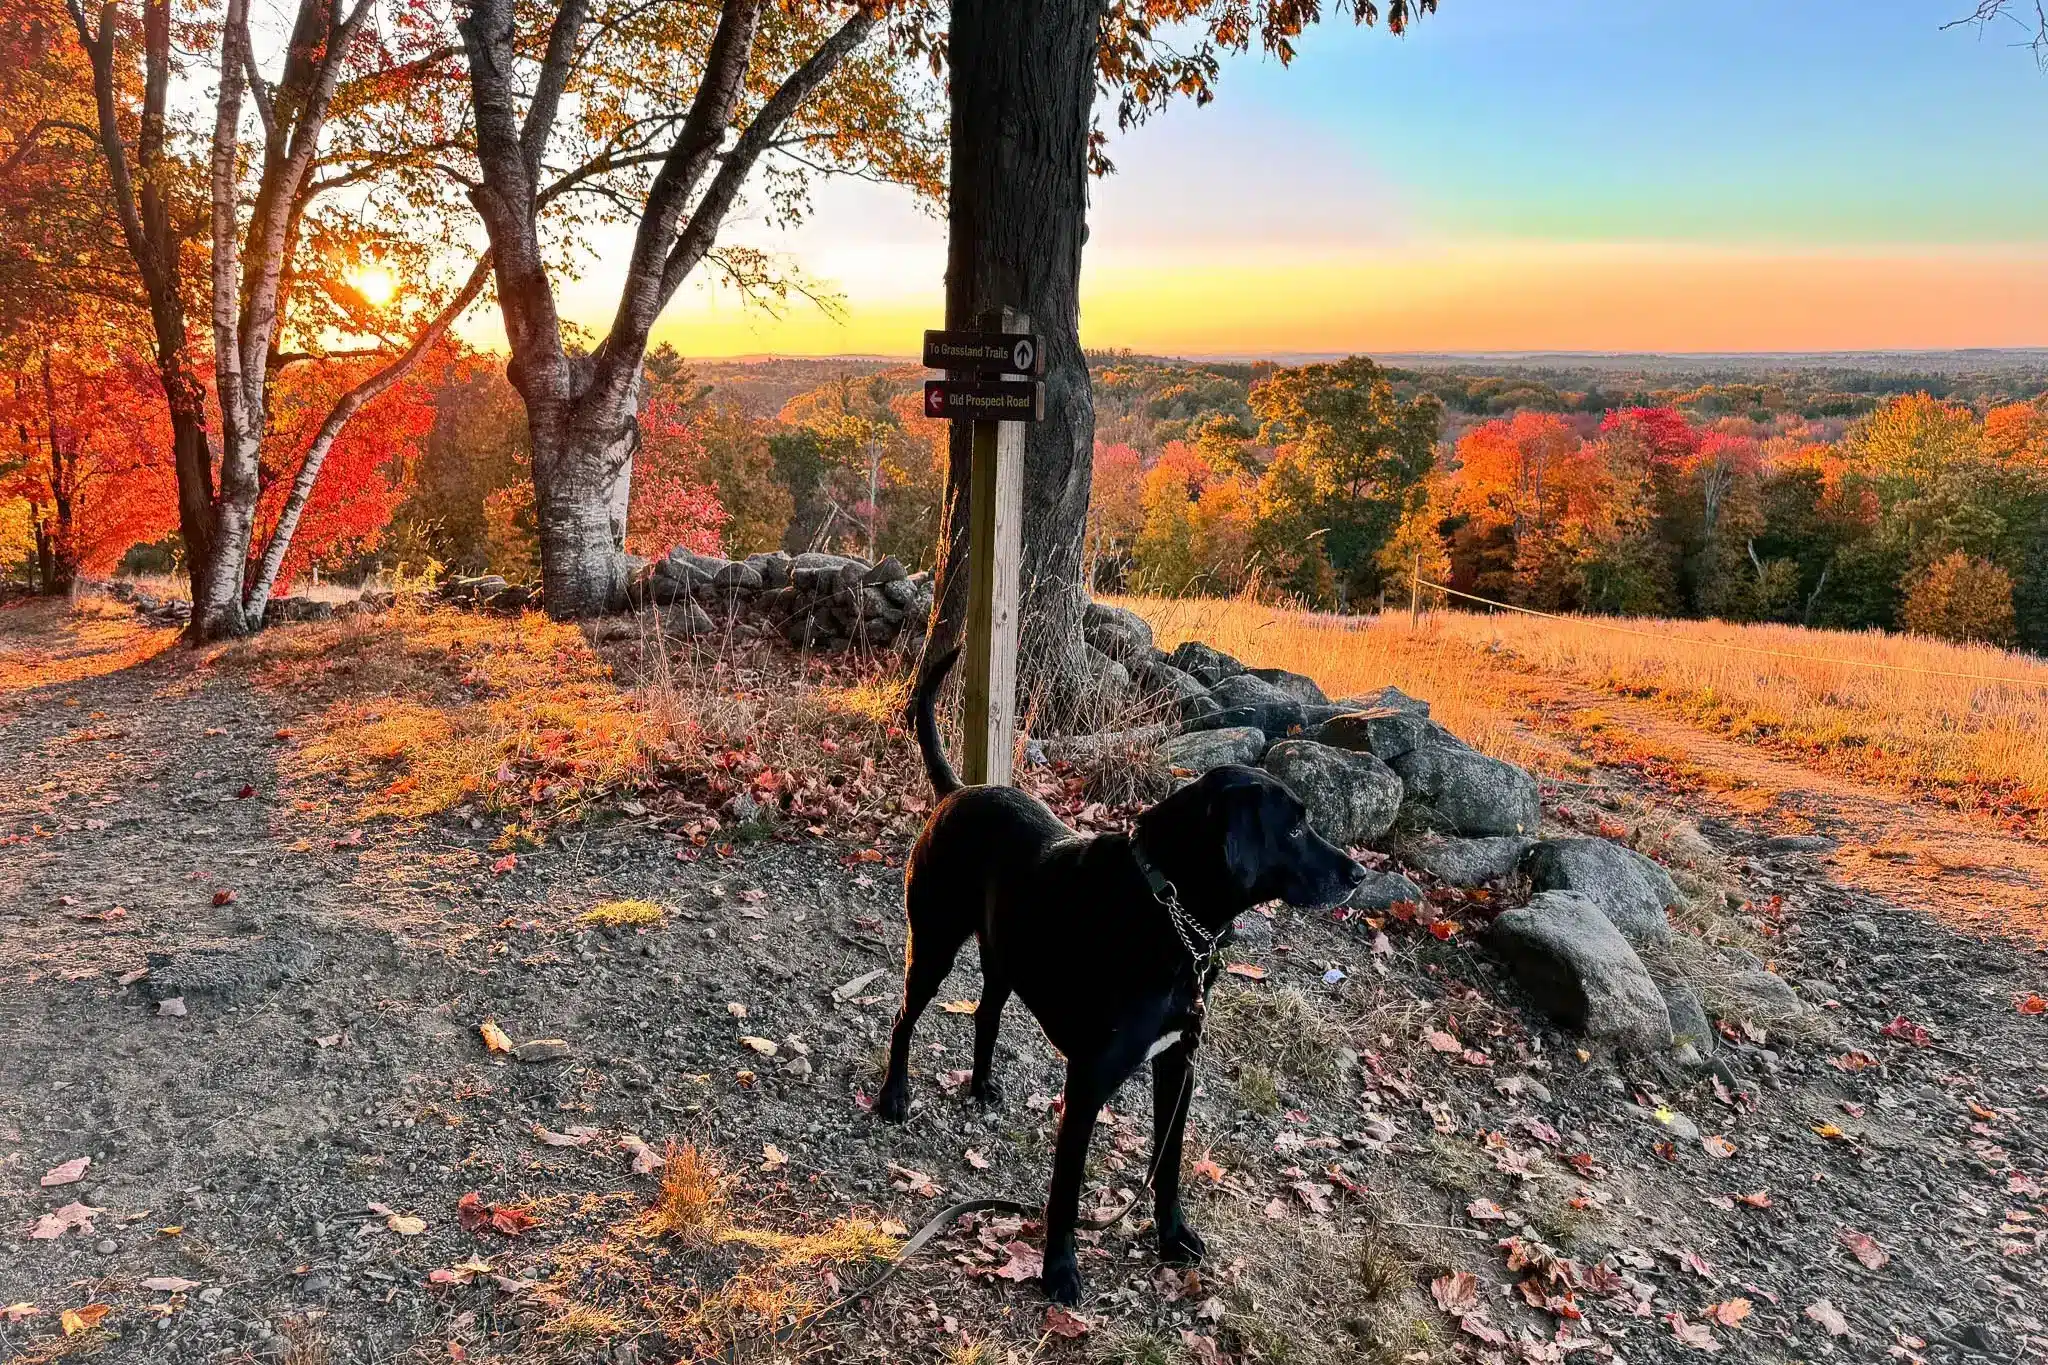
[(984, 352)]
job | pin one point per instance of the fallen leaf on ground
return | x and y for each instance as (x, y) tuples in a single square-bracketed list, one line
[(1485, 1211), (1828, 1316), (15, 1312), (895, 1227), (1456, 1293), (1439, 1041), (1210, 1171), (1760, 1200), (949, 1081), (1864, 1248), (173, 1008), (976, 1160), (575, 1137), (736, 1009), (1694, 1334), (131, 977), (1062, 1323), (1728, 1314), (84, 1319), (1025, 1263), (406, 1225), (73, 1215), (475, 1215), (69, 1173), (495, 1038), (646, 1161), (169, 1284), (505, 864), (460, 1274), (1247, 971), (1476, 1325), (1717, 1145), (915, 1182), (765, 1046), (1830, 1132), (773, 1158), (957, 1007), (2030, 1003), (223, 897), (1906, 1031)]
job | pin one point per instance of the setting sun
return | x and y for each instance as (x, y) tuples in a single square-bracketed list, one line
[(374, 283)]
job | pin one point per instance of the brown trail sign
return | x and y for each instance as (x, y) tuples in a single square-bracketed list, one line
[(985, 352), (981, 401), (999, 407)]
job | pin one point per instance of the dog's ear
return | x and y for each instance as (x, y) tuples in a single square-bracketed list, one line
[(1243, 836)]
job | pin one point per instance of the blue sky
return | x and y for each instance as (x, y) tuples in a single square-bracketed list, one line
[(1808, 174)]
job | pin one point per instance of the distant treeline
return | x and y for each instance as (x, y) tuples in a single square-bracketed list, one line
[(1829, 494)]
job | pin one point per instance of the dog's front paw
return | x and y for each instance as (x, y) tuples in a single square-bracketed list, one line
[(893, 1104), (1062, 1281), (988, 1090), (1180, 1244)]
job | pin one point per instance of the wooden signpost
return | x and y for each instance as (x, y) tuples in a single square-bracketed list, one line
[(991, 382)]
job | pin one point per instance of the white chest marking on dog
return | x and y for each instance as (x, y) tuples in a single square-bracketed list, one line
[(1166, 1040)]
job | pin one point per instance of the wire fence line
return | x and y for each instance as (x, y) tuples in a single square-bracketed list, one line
[(1598, 624)]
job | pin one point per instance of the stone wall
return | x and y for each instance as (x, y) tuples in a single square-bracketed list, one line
[(813, 601)]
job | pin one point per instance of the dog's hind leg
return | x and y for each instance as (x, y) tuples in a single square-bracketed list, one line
[(928, 957), (988, 1016), (1172, 1079)]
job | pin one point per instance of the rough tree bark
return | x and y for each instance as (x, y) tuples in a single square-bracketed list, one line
[(1023, 82), (156, 241), (581, 411)]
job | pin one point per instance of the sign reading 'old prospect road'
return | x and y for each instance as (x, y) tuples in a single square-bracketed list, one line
[(984, 352), (1016, 400)]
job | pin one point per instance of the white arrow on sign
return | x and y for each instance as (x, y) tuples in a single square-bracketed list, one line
[(1021, 355)]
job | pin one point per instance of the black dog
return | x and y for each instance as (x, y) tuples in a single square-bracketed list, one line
[(1113, 942)]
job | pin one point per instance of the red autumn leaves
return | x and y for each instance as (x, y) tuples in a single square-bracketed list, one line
[(475, 1216)]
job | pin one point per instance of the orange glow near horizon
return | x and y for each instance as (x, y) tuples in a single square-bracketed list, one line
[(1468, 297)]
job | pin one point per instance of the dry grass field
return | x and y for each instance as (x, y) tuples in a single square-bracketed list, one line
[(1880, 709)]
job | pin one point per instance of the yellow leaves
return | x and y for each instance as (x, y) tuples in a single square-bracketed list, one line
[(76, 1320)]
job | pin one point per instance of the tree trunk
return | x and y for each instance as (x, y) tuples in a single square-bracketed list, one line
[(583, 478), (193, 456), (1023, 82), (59, 560), (219, 615)]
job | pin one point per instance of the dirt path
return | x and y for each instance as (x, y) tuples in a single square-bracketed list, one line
[(1911, 853), (328, 1061)]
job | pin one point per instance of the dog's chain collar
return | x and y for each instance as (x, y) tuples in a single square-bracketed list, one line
[(1185, 926)]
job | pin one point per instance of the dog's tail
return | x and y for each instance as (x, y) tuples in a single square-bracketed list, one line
[(922, 704)]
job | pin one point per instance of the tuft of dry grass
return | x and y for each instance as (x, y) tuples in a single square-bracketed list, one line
[(627, 914), (1278, 1030), (691, 1204)]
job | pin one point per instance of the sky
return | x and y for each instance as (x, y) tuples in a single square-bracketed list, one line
[(1579, 175)]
